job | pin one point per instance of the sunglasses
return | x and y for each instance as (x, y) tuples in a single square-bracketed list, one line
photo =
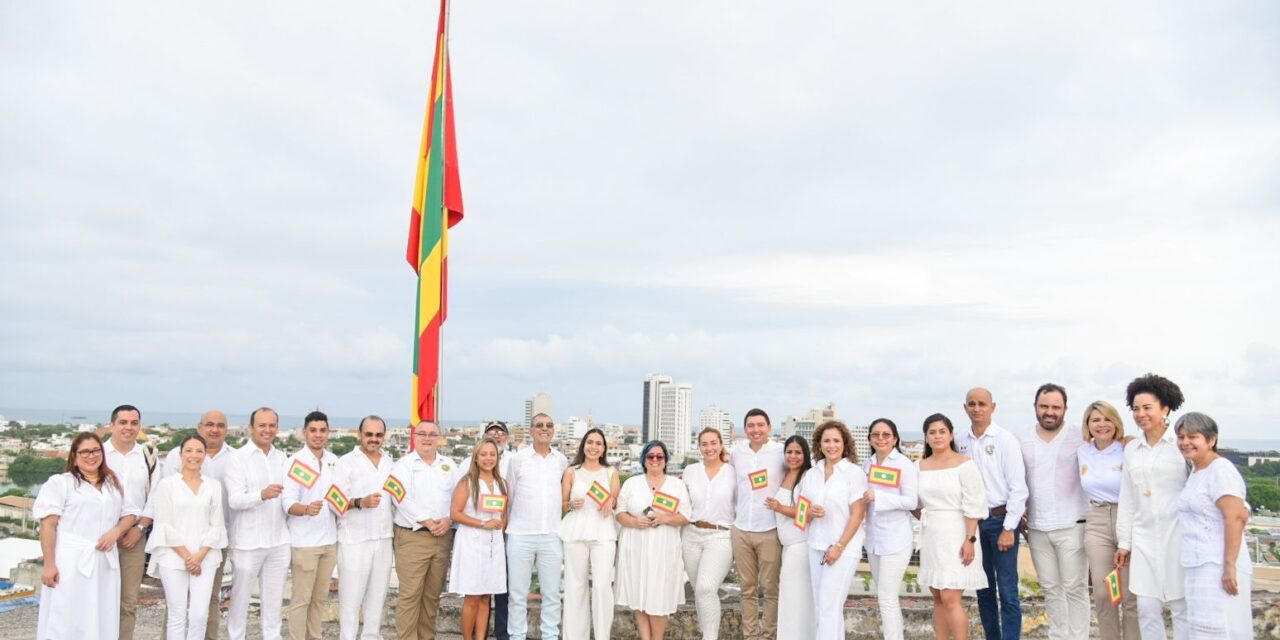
[(655, 456)]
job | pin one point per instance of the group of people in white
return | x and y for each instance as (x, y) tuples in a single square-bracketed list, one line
[(1156, 520)]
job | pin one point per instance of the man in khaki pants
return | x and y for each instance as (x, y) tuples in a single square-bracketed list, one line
[(135, 465), (423, 538), (757, 472), (313, 527)]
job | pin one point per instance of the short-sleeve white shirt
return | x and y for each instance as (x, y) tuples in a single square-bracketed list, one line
[(750, 513)]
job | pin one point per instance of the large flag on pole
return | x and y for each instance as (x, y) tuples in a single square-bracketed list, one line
[(437, 206)]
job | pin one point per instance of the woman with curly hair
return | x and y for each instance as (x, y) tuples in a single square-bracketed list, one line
[(835, 486), (1149, 539)]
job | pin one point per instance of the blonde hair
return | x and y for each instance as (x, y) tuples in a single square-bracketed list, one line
[(473, 473), (1109, 412), (724, 455)]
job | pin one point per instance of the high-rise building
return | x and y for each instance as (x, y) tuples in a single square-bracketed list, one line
[(668, 414), (713, 417), (861, 441), (540, 403), (805, 426)]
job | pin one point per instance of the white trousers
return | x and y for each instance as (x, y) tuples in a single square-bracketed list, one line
[(1151, 618), (830, 585), (795, 594), (1062, 567), (588, 589), (365, 571), (269, 567), (888, 571), (187, 598), (708, 553)]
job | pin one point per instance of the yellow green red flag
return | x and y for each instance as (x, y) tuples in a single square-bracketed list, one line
[(802, 512), (302, 474), (1113, 587), (336, 499), (884, 476), (394, 487), (598, 493), (437, 206), (492, 502), (759, 479), (665, 502)]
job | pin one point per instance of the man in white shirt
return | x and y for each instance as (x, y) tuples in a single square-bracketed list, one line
[(998, 457), (757, 473), (423, 537), (533, 530), (313, 527), (213, 428), (259, 536), (364, 533), (1055, 515), (499, 432), (135, 465)]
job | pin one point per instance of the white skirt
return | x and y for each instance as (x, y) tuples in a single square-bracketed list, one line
[(1211, 613)]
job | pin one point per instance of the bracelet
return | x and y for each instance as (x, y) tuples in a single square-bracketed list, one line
[(838, 546)]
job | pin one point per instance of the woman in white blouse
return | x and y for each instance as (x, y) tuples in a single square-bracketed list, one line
[(835, 487), (1148, 537), (1213, 514), (187, 540), (705, 541), (82, 514), (589, 490), (1101, 469), (795, 591), (894, 483)]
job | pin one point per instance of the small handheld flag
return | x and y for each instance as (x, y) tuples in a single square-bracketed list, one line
[(336, 499), (492, 502), (303, 475), (802, 513), (759, 479), (1113, 587), (884, 476), (665, 502), (598, 493), (395, 488)]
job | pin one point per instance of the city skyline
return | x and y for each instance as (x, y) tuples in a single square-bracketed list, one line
[(900, 203)]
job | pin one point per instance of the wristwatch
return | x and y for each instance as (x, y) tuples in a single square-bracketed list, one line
[(356, 503), (973, 538)]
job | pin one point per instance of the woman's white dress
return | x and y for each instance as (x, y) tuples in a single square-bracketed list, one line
[(795, 590), (1212, 612), (948, 497), (650, 566), (479, 564), (86, 602)]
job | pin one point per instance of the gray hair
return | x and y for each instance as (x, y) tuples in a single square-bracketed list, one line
[(1196, 422)]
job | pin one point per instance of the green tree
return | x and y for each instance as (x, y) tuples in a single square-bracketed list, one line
[(27, 469), (342, 445), (1264, 494), (16, 491)]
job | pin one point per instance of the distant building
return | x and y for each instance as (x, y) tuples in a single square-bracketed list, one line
[(805, 426), (540, 403), (668, 414), (1252, 460), (913, 448), (16, 507), (713, 417)]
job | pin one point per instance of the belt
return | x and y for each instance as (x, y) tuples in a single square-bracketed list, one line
[(998, 511), (410, 529), (1102, 503), (703, 524)]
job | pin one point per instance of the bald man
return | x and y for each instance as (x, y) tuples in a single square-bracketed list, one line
[(998, 456), (213, 428)]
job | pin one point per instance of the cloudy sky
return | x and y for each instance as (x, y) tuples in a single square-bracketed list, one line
[(865, 203)]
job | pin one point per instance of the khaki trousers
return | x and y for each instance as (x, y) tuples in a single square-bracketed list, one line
[(1100, 546), (758, 555), (215, 603), (422, 562), (312, 570), (133, 562), (1063, 568)]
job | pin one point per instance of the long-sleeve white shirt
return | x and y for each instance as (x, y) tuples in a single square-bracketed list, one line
[(184, 518), (535, 492), (889, 515), (712, 498), (321, 529), (750, 513), (1004, 477), (214, 466), (1147, 516), (428, 489), (131, 469), (1055, 498), (255, 523), (835, 494), (359, 477)]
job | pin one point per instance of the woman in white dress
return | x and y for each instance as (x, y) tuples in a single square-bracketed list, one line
[(1148, 537), (707, 550), (1213, 514), (836, 487), (894, 483), (652, 507), (479, 564), (795, 590), (1101, 469), (187, 540), (82, 514), (952, 502), (589, 492)]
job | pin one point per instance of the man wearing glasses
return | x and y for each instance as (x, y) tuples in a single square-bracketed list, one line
[(533, 536), (364, 532), (213, 428), (422, 536)]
